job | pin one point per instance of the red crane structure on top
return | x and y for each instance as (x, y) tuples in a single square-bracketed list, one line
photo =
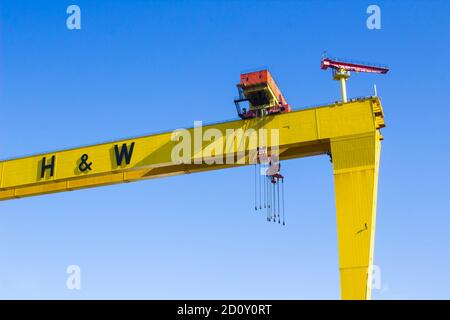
[(262, 94), (342, 68)]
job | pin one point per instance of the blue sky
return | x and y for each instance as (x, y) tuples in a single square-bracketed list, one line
[(137, 67)]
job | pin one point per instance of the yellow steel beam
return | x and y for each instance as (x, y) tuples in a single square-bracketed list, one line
[(355, 164), (350, 131)]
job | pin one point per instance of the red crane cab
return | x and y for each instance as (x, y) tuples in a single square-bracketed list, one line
[(261, 93)]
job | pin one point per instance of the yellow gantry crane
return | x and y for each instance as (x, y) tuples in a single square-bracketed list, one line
[(349, 132)]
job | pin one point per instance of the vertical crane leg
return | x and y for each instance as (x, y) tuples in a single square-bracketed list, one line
[(355, 166)]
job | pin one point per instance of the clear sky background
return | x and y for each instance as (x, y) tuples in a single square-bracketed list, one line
[(137, 67)]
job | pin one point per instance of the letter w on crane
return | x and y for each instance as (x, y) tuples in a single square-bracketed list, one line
[(123, 153)]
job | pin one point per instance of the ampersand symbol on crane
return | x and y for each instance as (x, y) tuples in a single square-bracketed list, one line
[(84, 165)]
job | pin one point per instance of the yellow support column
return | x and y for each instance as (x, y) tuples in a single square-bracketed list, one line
[(343, 89), (355, 165)]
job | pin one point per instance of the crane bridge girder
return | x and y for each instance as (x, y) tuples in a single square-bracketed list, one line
[(350, 132)]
